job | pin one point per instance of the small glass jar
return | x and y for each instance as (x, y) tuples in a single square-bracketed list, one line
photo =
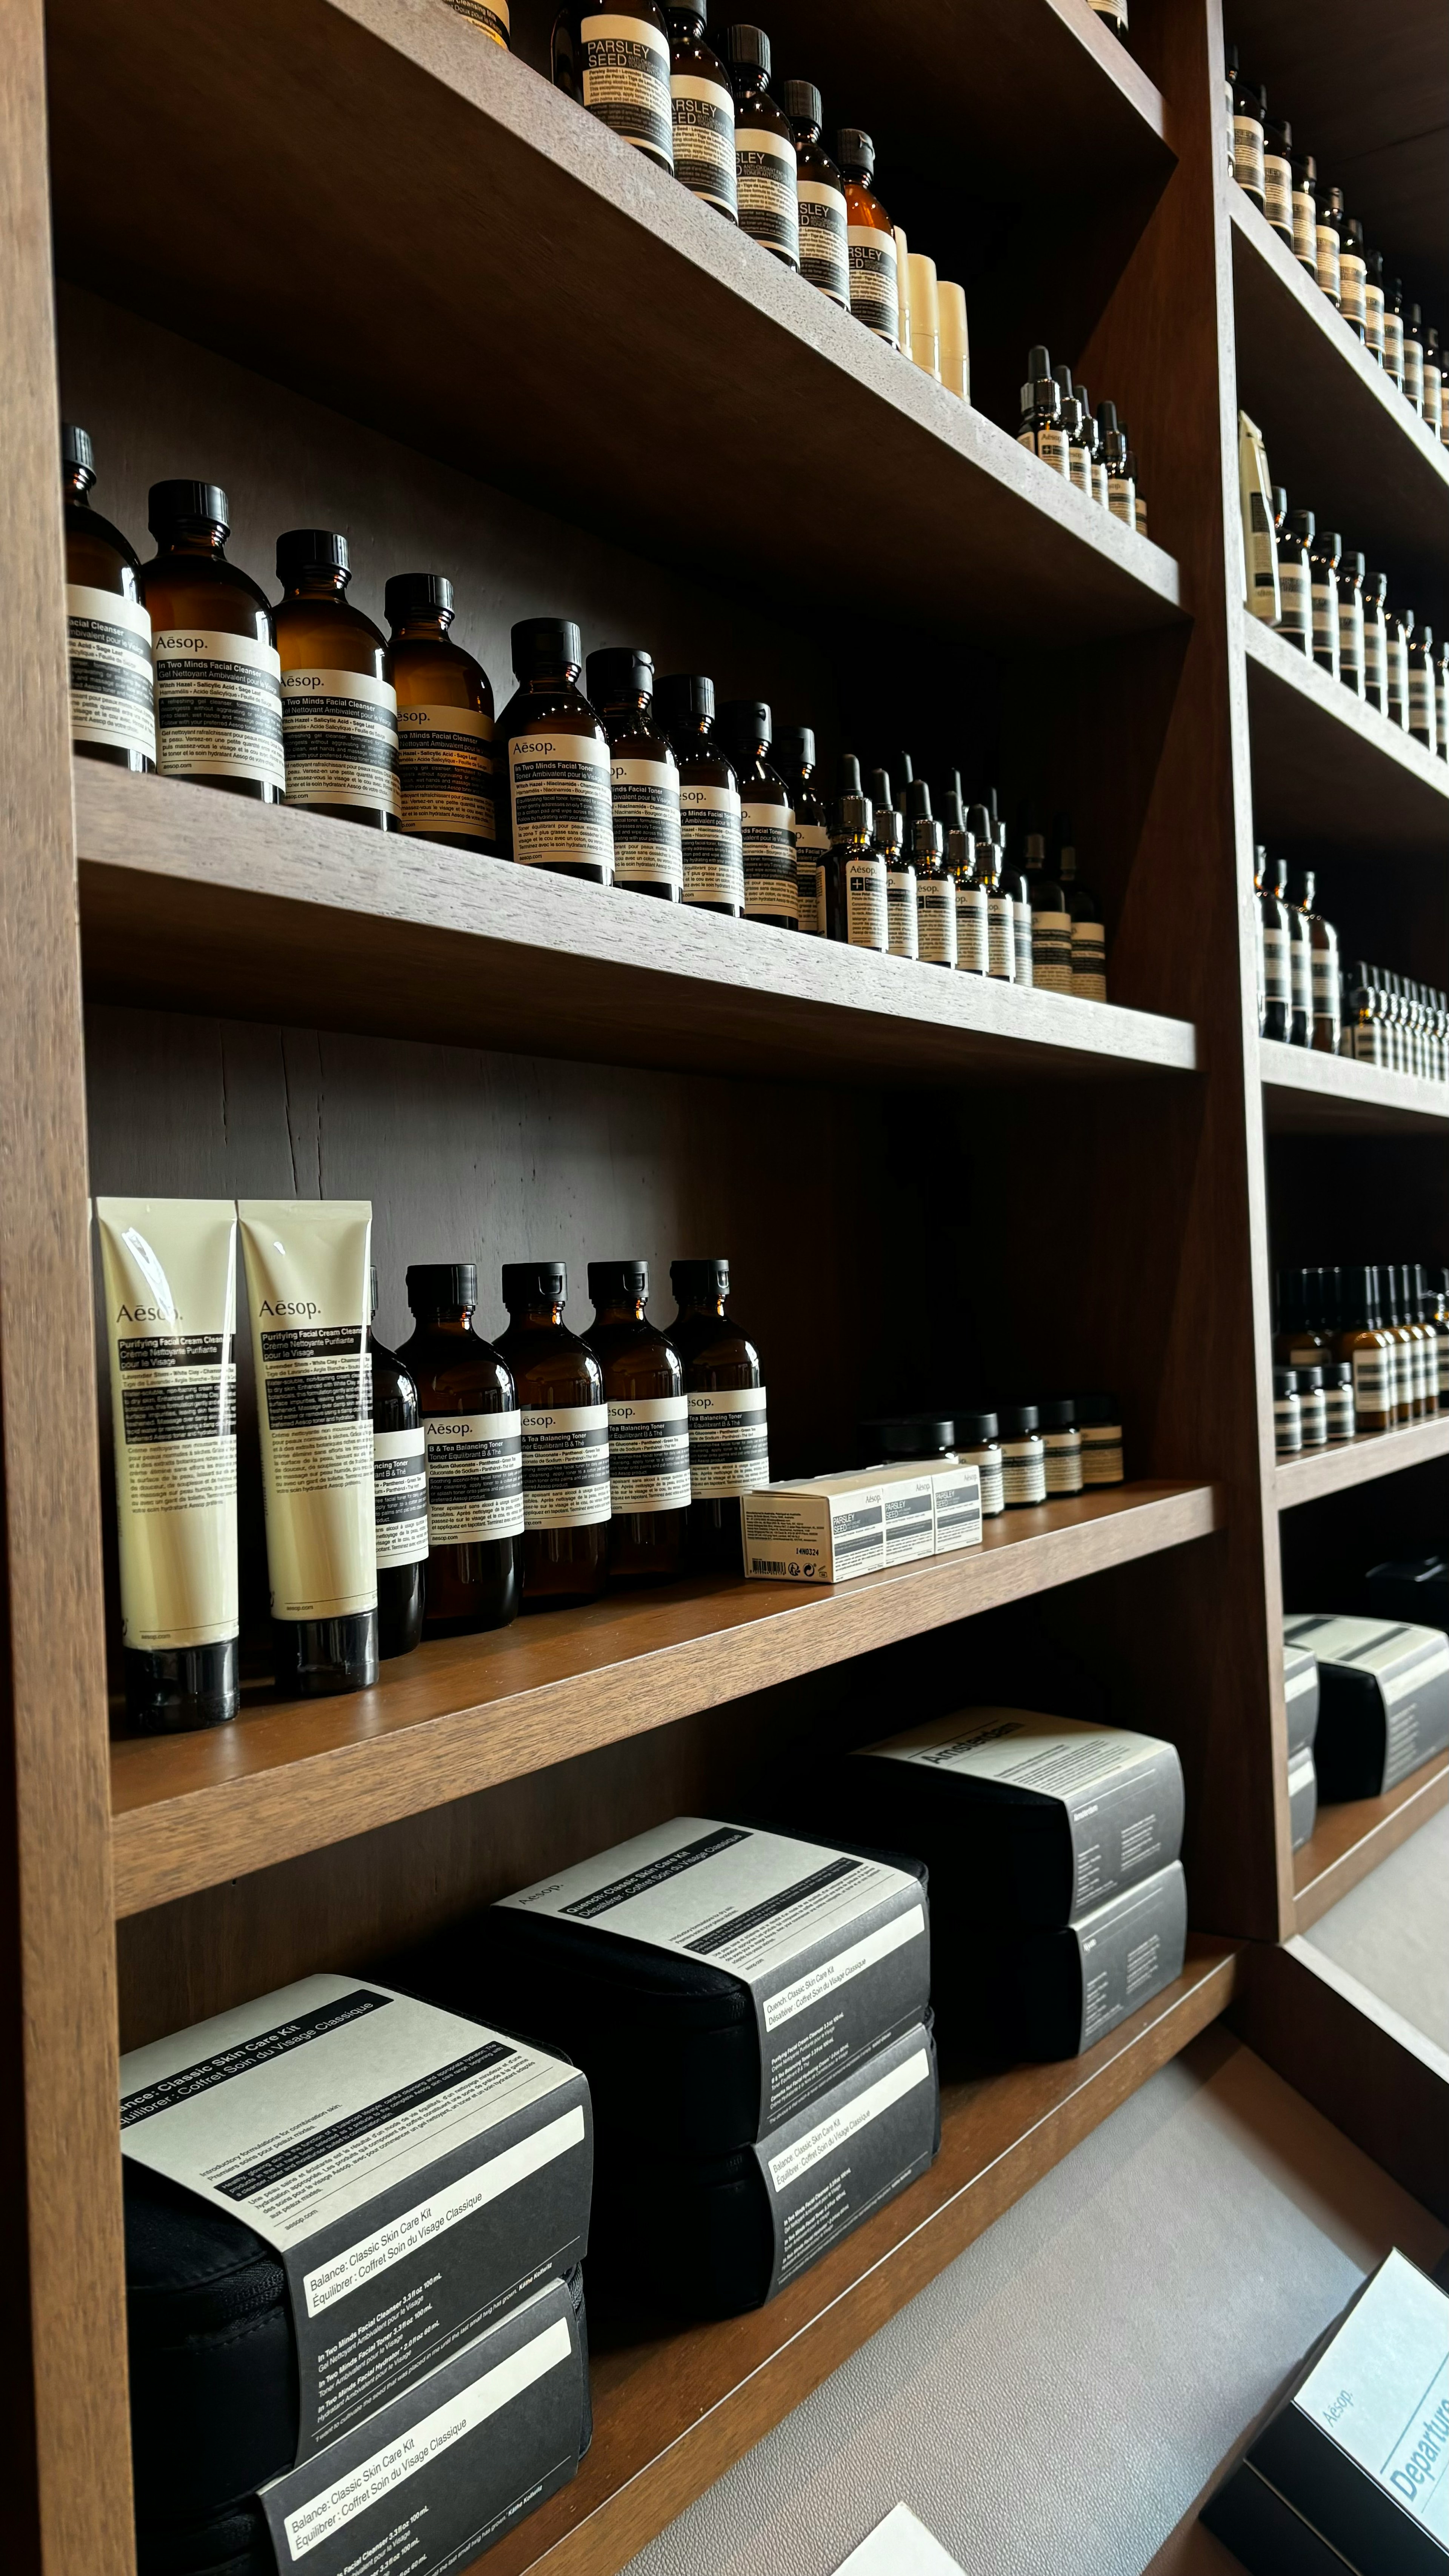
[(1287, 1413), (978, 1445), (1062, 1444), (1099, 1422), (1312, 1408), (1023, 1456)]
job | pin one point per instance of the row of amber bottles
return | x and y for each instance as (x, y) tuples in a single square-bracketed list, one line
[(1390, 1323)]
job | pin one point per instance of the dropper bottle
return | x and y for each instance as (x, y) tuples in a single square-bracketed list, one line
[(1121, 491), (1041, 414), (935, 888), (1091, 433), (973, 949), (1000, 925), (1295, 588), (856, 897), (890, 841), (1013, 877), (1079, 453)]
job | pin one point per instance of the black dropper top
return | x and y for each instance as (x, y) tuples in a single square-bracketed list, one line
[(1040, 391), (853, 805), (800, 100)]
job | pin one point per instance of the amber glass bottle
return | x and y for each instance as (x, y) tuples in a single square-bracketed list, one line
[(112, 701), (616, 64), (902, 932), (856, 886), (869, 237), (648, 1426), (704, 112), (794, 749), (643, 773), (729, 1441), (765, 165), (339, 714), (218, 679), (709, 796), (400, 1495), (770, 896), (444, 718), (1368, 1350), (554, 806), (472, 1440), (824, 258), (565, 1424), (490, 17)]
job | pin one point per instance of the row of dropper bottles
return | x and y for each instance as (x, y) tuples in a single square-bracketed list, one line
[(1341, 615), (1389, 1322), (1088, 449)]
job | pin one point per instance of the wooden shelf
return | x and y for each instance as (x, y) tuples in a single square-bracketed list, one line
[(1327, 767), (1358, 1462), (719, 410), (1350, 1840), (193, 899), (193, 1810), (670, 2415), (1309, 1094), (1338, 432)]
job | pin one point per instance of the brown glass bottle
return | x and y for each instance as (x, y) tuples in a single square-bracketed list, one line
[(643, 774), (870, 239), (218, 679), (444, 718), (339, 714), (769, 860), (648, 1427), (794, 750), (554, 807), (472, 1434), (616, 64), (400, 1499), (1368, 1350), (709, 796), (765, 159), (824, 258), (703, 106), (112, 694), (1397, 1332), (729, 1444), (565, 1423)]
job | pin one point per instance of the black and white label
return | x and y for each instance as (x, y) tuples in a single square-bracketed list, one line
[(1352, 282), (1374, 658), (1089, 961), (1421, 705), (902, 934), (490, 17), (1277, 978), (1021, 942), (1294, 591), (769, 860), (445, 770), (624, 64), (936, 920), (112, 694), (562, 812), (865, 900), (1051, 951), (1001, 937), (1248, 154), (1023, 1470), (1373, 1380), (1122, 499), (565, 1466), (1079, 467), (812, 849), (1338, 1409), (475, 1477), (1394, 345), (1130, 1949), (1278, 192), (729, 1442), (874, 293), (765, 185), (1325, 983), (1397, 658), (1099, 483), (834, 2164), (649, 1453), (714, 865), (1413, 360), (1350, 635), (647, 846), (824, 257), (339, 740), (973, 955), (1305, 228), (218, 706), (1326, 262), (993, 1489), (1373, 317), (1325, 621), (412, 2169), (1102, 1453), (400, 1496), (1300, 971), (1062, 1462), (1054, 448), (704, 139)]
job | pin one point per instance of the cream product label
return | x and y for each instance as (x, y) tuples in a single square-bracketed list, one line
[(1021, 942), (562, 813), (1276, 974), (1394, 344), (1325, 622), (973, 955), (1373, 1380), (829, 2169), (1300, 970), (339, 740), (1051, 951), (307, 1265), (769, 860), (1287, 1425), (704, 139), (1054, 448), (1373, 653), (1352, 281), (1338, 1407), (714, 866), (874, 293), (1433, 396), (1278, 192), (112, 693), (475, 1477), (647, 845), (1421, 705), (1327, 261), (993, 1492), (649, 1453), (565, 1466), (1373, 317), (1350, 636), (729, 1442), (1099, 483), (765, 183), (218, 706), (1001, 937), (823, 254), (902, 932), (1102, 1453), (445, 771), (1305, 228), (1380, 2395), (1079, 467), (490, 17), (1248, 154), (1294, 590), (1397, 658), (1413, 360), (1023, 1470), (936, 920), (865, 902), (400, 1496), (625, 79), (1089, 961), (812, 848), (1062, 1461), (1122, 498)]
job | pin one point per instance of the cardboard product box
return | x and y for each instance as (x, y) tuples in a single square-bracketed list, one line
[(1383, 1701), (712, 1977), (1033, 1993), (1300, 1695), (714, 2236), (1302, 1796), (1348, 2477), (1019, 1815), (827, 1529), (1415, 1590)]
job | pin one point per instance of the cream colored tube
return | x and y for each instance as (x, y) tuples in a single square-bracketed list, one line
[(307, 1275), (169, 1271), (925, 317), (903, 290), (955, 349)]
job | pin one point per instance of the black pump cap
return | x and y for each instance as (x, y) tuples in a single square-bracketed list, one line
[(854, 150), (413, 594), (795, 745), (1281, 134), (618, 672), (610, 1280), (1307, 170), (1304, 525), (1309, 1380), (545, 644), (905, 1436), (1098, 1409), (699, 1279), (1230, 60), (1018, 1421), (526, 1281), (748, 49), (75, 448), (171, 505), (682, 694), (973, 1430), (746, 720), (303, 550), (801, 102), (441, 1283), (1280, 501)]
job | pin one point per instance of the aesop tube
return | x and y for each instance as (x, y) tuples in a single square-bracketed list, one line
[(169, 1268), (308, 1272)]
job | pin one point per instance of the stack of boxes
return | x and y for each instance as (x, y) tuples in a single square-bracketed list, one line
[(1383, 1700), (1300, 1696)]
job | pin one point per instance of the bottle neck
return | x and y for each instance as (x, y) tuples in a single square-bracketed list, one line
[(444, 1319), (621, 1310), (323, 585), (200, 538), (425, 626), (76, 481), (550, 681), (634, 714), (537, 1311), (713, 1307)]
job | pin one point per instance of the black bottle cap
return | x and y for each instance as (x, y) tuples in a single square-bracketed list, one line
[(1018, 1421), (1304, 525), (801, 102), (303, 550), (1307, 170), (1285, 1381), (1376, 586), (410, 594), (918, 800), (1058, 1413), (1328, 544), (692, 9), (683, 694), (905, 1435), (748, 48), (1337, 1373), (1280, 502), (609, 1280), (1280, 134), (1308, 1379), (1041, 390), (978, 822), (1099, 1409), (854, 151), (545, 644), (889, 829), (173, 505), (1085, 399), (973, 1430), (746, 721), (618, 672), (699, 1279), (853, 807), (880, 787), (1351, 563), (1352, 232), (1415, 316), (1426, 638), (1107, 419), (795, 745), (927, 839), (75, 448), (952, 813), (525, 1282), (1230, 60), (441, 1283)]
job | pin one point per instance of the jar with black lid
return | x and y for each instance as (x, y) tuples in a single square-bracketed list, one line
[(1099, 1420), (1062, 1446), (1023, 1456), (1339, 1422), (896, 1439), (1287, 1413), (978, 1443), (1312, 1408)]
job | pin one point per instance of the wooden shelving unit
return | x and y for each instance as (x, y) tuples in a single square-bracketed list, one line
[(1328, 768), (1351, 1839), (1359, 1462), (1307, 1094)]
